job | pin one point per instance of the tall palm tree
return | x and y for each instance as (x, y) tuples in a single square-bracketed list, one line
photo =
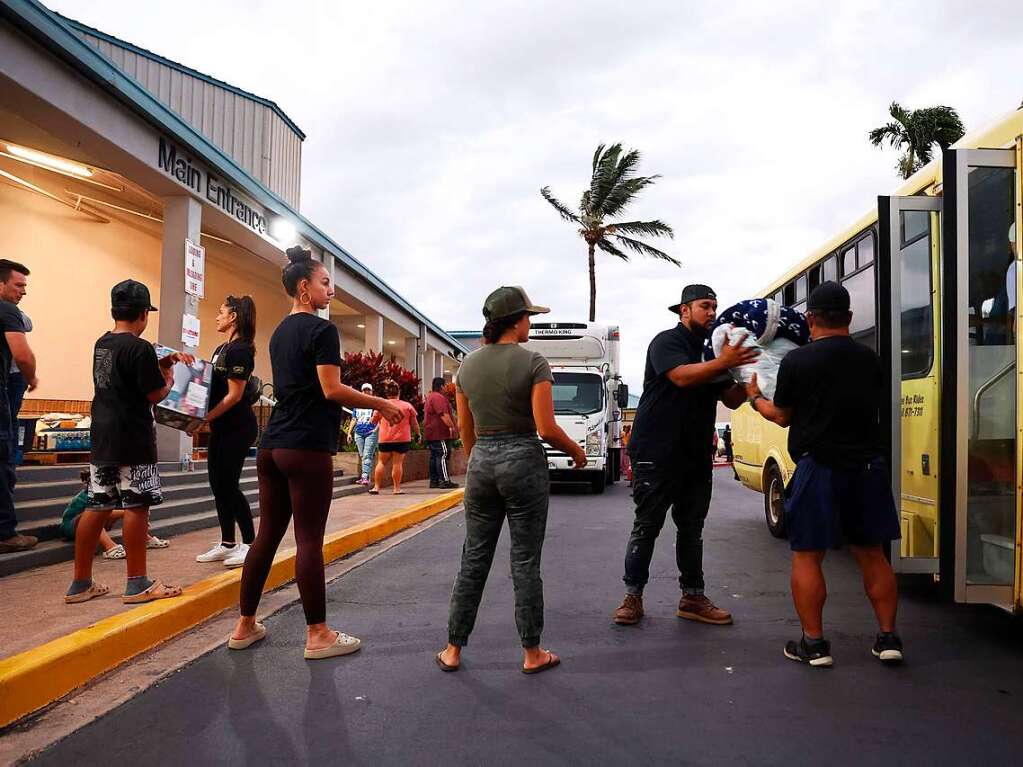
[(918, 130), (613, 185)]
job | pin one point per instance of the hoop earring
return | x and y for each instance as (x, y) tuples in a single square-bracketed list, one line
[(304, 299)]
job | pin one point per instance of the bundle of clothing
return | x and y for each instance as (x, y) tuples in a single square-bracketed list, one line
[(766, 325)]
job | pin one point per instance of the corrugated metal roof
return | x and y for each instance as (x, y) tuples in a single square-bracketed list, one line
[(181, 68)]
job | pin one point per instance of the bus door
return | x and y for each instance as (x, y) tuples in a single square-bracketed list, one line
[(979, 538), (909, 332)]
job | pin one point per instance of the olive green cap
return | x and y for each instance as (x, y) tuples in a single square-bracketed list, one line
[(507, 301)]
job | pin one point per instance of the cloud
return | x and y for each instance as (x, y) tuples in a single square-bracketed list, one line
[(433, 126)]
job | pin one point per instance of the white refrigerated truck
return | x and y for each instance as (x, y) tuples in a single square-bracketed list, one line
[(589, 396)]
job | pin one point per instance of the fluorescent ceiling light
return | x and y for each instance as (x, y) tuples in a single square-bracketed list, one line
[(392, 343), (58, 163), (283, 230), (360, 325)]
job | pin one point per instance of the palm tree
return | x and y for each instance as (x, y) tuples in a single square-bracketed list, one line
[(918, 130), (613, 185)]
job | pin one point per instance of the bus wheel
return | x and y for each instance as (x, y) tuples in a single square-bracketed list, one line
[(774, 500)]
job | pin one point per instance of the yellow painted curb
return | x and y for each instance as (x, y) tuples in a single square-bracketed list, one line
[(36, 677)]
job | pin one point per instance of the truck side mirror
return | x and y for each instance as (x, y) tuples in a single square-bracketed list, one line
[(623, 395)]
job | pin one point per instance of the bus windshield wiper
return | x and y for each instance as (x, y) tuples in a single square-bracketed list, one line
[(570, 410)]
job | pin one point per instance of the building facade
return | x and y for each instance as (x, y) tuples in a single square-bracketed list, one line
[(114, 159)]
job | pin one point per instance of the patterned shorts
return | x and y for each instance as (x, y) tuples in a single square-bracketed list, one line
[(124, 487)]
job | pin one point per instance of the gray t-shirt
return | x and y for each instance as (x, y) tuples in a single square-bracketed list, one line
[(498, 381), (28, 329)]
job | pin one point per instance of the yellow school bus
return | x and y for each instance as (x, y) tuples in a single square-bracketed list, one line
[(932, 274)]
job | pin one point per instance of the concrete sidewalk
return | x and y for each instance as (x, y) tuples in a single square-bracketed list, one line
[(33, 611)]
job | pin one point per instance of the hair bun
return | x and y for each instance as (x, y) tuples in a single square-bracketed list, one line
[(297, 254)]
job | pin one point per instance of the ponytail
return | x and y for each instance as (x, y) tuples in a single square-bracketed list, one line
[(494, 329)]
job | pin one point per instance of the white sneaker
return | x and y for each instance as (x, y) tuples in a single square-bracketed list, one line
[(217, 553), (237, 556)]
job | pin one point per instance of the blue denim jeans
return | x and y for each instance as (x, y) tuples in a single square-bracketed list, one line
[(16, 388), (368, 450)]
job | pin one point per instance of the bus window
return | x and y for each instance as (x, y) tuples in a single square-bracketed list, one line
[(831, 269), (779, 297), (865, 251), (801, 288), (917, 309), (861, 297), (848, 261), (814, 276), (790, 294)]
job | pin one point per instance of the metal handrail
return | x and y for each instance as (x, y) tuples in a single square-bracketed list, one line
[(981, 391)]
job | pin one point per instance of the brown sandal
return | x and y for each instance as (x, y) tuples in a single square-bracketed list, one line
[(444, 666), (157, 591), (552, 661)]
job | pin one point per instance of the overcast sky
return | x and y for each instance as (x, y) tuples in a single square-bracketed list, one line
[(432, 126)]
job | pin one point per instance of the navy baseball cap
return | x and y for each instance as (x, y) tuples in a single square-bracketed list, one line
[(692, 293), (131, 294), (828, 297)]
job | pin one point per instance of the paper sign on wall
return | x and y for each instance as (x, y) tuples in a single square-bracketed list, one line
[(195, 269), (190, 330)]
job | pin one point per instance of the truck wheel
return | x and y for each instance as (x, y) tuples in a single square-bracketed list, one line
[(598, 483), (774, 500)]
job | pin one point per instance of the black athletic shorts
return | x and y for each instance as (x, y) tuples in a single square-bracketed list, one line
[(828, 508), (394, 447)]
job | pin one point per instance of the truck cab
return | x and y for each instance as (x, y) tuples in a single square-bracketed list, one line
[(589, 397)]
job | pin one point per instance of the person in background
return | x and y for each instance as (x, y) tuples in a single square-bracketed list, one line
[(295, 462), (233, 429), (78, 504), (15, 353), (729, 451), (626, 461), (670, 448), (504, 396), (395, 440), (367, 436), (830, 394), (129, 380), (438, 431)]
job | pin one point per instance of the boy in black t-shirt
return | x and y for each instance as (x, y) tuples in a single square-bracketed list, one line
[(830, 394), (129, 380)]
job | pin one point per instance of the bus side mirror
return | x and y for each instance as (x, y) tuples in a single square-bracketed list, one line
[(623, 396)]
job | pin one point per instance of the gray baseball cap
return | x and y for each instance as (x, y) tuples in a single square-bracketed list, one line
[(507, 301)]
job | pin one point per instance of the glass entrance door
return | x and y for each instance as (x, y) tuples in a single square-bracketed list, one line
[(910, 257), (987, 374)]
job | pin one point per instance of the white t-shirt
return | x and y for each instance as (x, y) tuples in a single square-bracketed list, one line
[(1010, 284)]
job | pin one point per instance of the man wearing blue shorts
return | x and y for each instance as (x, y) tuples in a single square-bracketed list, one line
[(830, 395)]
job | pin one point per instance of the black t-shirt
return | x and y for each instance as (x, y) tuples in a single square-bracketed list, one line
[(124, 371), (233, 360), (675, 424), (303, 418), (10, 322), (835, 388)]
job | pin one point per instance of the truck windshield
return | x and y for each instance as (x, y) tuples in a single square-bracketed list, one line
[(579, 393)]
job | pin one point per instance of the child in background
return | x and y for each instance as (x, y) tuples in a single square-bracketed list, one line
[(78, 504)]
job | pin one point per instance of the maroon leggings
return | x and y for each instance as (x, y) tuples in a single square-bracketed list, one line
[(299, 483)]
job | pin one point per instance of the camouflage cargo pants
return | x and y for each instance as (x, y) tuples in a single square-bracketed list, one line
[(507, 479)]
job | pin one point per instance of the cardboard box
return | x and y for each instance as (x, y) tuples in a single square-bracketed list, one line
[(189, 398)]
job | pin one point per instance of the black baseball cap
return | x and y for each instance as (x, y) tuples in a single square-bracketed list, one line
[(692, 293), (131, 294), (828, 297), (507, 301)]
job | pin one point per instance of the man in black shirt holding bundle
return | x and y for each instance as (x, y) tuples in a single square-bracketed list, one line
[(830, 395), (671, 453)]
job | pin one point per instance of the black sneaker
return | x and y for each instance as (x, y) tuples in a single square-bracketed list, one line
[(816, 652), (434, 485), (888, 648), (448, 485)]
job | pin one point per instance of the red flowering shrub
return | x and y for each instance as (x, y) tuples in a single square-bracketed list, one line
[(358, 368)]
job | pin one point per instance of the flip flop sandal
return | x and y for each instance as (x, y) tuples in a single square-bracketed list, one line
[(343, 645), (154, 592), (251, 639), (444, 666), (95, 590), (398, 492), (552, 661), (373, 491)]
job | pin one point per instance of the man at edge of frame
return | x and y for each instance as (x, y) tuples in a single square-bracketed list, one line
[(830, 394), (671, 452)]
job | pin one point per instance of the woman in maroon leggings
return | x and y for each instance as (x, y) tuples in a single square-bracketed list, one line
[(294, 463)]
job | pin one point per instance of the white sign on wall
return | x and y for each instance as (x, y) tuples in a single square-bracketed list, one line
[(195, 269), (190, 330)]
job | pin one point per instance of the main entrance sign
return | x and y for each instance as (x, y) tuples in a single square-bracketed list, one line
[(180, 166)]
